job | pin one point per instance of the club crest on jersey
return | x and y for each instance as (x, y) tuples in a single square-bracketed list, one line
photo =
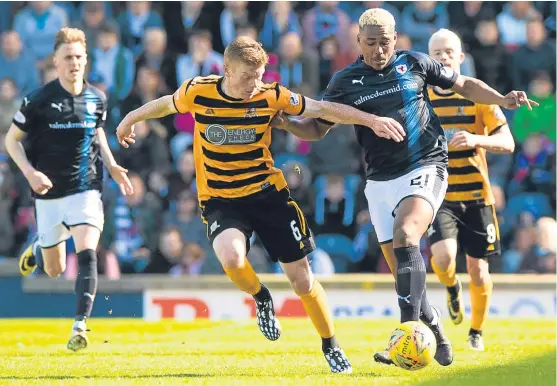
[(294, 100), (401, 69), (91, 107), (250, 113)]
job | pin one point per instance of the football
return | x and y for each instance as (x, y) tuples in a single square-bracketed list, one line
[(412, 346)]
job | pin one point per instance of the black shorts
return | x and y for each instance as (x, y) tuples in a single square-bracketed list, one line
[(475, 228), (273, 215)]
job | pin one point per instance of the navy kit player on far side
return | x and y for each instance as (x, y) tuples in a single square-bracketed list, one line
[(62, 122), (407, 176)]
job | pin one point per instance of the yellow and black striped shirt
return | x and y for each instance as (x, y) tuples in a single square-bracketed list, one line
[(468, 175), (232, 137)]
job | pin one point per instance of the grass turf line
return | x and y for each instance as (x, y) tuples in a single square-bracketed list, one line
[(134, 352)]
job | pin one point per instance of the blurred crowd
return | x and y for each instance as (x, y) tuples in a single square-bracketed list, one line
[(138, 51)]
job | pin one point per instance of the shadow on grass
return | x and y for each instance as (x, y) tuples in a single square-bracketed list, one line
[(536, 370)]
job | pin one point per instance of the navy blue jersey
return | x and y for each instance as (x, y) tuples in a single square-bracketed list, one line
[(62, 138), (399, 91)]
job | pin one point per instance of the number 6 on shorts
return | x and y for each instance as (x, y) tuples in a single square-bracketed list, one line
[(295, 231)]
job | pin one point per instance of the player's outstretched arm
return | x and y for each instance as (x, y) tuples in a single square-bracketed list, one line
[(479, 92), (39, 182), (384, 127), (155, 109)]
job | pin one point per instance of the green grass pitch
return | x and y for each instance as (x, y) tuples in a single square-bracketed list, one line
[(134, 352)]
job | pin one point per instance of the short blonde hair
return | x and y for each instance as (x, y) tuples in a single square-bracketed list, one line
[(444, 33), (377, 17), (69, 35), (246, 50)]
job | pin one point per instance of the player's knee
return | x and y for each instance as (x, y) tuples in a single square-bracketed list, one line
[(302, 283), (87, 257), (54, 270), (443, 260), (478, 269), (230, 257), (406, 235)]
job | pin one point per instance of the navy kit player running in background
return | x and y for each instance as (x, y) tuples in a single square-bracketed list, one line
[(62, 122), (406, 171)]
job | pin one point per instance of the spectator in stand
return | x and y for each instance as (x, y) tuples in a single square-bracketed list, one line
[(181, 18), (37, 25), (114, 62), (184, 176), (299, 177), (421, 19), (465, 16), (94, 16), (537, 55), (328, 50), (184, 215), (156, 55), (235, 13), (403, 42), (340, 145), (323, 21), (352, 49), (168, 253), (247, 30), (7, 196), (148, 156), (134, 21), (190, 262), (149, 86), (512, 23), (334, 209), (9, 104), (354, 9), (280, 19), (131, 225), (296, 67), (491, 58), (201, 60), (532, 166), (13, 58), (541, 119), (542, 256), (49, 72), (524, 236)]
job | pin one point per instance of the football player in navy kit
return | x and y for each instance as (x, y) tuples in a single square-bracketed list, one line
[(62, 122), (406, 176)]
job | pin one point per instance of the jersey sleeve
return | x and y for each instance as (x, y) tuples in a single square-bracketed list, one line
[(435, 73), (101, 121), (182, 102), (492, 118), (290, 102), (24, 117), (333, 93)]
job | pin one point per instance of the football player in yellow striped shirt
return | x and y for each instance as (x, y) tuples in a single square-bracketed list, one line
[(467, 215), (240, 190)]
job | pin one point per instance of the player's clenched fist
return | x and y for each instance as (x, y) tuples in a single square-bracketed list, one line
[(39, 182), (389, 128), (125, 134)]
